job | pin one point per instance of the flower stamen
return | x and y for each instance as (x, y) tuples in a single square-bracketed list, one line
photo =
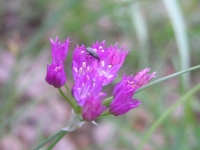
[(84, 64), (58, 68), (102, 63)]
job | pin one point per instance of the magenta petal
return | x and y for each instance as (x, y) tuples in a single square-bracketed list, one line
[(122, 108), (122, 103), (59, 50), (143, 77), (92, 108), (117, 56), (85, 84), (55, 72), (124, 91), (55, 75)]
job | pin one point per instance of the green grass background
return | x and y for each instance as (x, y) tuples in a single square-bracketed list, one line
[(163, 35)]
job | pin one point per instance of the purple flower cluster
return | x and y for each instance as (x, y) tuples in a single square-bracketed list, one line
[(91, 75), (124, 91), (91, 71)]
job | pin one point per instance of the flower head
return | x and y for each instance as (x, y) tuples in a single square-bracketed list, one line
[(142, 77), (87, 93), (80, 64), (122, 103), (85, 85), (55, 72), (93, 106), (106, 67), (111, 59), (93, 68), (125, 89)]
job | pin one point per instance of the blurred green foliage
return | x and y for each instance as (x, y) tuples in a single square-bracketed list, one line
[(144, 27)]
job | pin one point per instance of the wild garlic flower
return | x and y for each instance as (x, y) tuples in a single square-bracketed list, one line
[(93, 68)]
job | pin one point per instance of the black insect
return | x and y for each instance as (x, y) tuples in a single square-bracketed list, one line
[(92, 53)]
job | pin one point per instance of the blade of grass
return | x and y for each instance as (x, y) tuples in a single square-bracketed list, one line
[(67, 99), (167, 112), (58, 134), (141, 32), (56, 141), (178, 24)]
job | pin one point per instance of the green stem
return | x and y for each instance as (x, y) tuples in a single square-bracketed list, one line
[(49, 139), (105, 114), (107, 101), (167, 112), (66, 98), (68, 90), (70, 95), (56, 140)]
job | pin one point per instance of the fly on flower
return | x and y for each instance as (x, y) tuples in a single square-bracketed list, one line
[(92, 53)]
